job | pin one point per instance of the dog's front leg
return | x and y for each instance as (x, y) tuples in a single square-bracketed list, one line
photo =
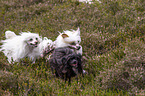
[(65, 77), (69, 81)]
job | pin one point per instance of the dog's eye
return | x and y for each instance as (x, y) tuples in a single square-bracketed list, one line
[(73, 43), (30, 39), (36, 38)]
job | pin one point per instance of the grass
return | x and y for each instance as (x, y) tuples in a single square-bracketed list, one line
[(113, 43)]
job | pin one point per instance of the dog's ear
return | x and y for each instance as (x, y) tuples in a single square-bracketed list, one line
[(45, 38), (78, 31), (64, 35)]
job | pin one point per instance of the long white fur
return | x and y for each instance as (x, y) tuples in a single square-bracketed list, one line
[(72, 36), (9, 34), (16, 47)]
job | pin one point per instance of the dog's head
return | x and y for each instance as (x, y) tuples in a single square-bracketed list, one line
[(31, 39), (72, 61), (70, 39)]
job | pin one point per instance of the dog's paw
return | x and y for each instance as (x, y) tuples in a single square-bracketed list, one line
[(85, 72)]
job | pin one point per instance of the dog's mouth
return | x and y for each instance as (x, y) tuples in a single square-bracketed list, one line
[(74, 65), (74, 47), (34, 45)]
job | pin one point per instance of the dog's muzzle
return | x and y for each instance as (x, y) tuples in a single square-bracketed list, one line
[(75, 47), (74, 63), (34, 44), (78, 47)]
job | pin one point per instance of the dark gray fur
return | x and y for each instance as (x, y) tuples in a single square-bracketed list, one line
[(62, 62)]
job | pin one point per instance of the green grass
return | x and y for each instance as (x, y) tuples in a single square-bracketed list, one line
[(113, 43)]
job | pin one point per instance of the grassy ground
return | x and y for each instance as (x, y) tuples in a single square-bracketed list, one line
[(113, 41)]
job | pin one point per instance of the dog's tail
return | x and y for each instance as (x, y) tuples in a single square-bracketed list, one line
[(9, 34)]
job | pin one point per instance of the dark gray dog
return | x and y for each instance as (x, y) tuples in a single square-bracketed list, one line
[(66, 63)]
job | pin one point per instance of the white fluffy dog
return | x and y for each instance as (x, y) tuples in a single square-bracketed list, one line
[(70, 39), (16, 47)]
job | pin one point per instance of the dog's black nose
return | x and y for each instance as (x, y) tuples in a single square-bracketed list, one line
[(78, 47), (36, 42)]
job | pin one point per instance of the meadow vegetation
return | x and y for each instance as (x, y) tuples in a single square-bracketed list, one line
[(113, 41)]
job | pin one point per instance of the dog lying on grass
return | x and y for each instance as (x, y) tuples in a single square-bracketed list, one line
[(66, 63)]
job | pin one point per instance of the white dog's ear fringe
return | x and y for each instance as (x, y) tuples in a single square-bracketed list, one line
[(64, 35), (45, 38), (78, 29)]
